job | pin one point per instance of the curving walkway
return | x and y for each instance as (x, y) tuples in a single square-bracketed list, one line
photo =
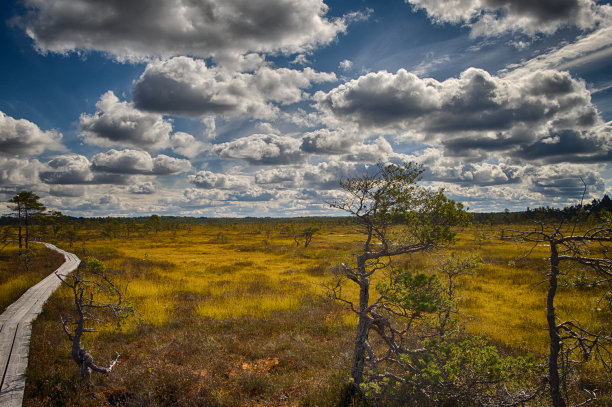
[(15, 329)]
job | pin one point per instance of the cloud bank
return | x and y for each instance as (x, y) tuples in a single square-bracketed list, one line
[(493, 17), (266, 149), (21, 137), (185, 86), (539, 115), (111, 167), (120, 123), (136, 29)]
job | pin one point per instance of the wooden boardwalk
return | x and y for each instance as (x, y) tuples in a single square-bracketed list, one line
[(15, 329)]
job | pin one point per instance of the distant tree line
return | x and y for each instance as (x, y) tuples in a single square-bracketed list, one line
[(30, 220), (186, 220), (591, 212)]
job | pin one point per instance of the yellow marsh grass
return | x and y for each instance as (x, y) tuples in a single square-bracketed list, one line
[(506, 300), (236, 306), (151, 300), (241, 275), (17, 285), (508, 313), (155, 311), (15, 279)]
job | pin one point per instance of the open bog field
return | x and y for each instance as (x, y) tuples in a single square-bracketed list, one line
[(231, 313)]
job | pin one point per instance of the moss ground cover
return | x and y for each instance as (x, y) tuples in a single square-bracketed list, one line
[(230, 314)]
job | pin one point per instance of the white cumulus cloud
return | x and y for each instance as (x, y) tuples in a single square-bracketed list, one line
[(185, 144), (120, 123), (21, 137), (143, 188), (188, 87), (269, 149), (139, 29), (477, 113), (492, 17), (68, 169), (19, 171), (212, 180), (138, 162)]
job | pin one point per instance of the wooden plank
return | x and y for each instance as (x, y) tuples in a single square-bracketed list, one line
[(16, 327)]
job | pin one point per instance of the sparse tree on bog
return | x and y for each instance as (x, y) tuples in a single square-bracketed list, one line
[(97, 299), (397, 216), (26, 204), (154, 223), (131, 227), (6, 234), (57, 222), (305, 235), (308, 234), (70, 234)]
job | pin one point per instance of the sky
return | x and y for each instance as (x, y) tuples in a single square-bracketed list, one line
[(233, 108)]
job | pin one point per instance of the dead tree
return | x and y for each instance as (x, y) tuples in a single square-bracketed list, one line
[(97, 299), (590, 249)]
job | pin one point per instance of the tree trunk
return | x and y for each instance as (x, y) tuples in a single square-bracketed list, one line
[(363, 328), (555, 339), (19, 220), (27, 229)]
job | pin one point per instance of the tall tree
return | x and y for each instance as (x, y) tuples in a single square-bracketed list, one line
[(397, 216), (154, 223), (26, 204), (131, 227), (70, 233)]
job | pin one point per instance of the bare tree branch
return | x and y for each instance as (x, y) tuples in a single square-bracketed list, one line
[(88, 279)]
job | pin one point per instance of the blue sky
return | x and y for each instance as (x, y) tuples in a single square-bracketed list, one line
[(258, 108)]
